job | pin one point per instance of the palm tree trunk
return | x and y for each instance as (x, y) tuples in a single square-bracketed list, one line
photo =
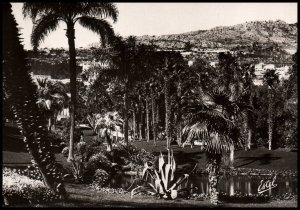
[(126, 117), (249, 138), (179, 133), (108, 141), (168, 110), (147, 120), (231, 187), (49, 123), (134, 124), (28, 116), (200, 89), (178, 119), (55, 119), (157, 119), (270, 120), (141, 126), (154, 125), (72, 68), (213, 168), (231, 156)]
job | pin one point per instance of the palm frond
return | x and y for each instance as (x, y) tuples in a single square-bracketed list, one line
[(104, 55), (33, 9), (214, 142), (44, 25), (195, 131), (215, 120), (218, 143), (271, 77), (99, 26), (102, 9)]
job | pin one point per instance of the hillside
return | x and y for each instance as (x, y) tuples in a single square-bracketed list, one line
[(245, 34)]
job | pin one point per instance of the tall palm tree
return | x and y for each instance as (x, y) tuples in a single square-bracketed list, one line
[(208, 119), (23, 91), (271, 78), (248, 77), (230, 78), (47, 16), (171, 65)]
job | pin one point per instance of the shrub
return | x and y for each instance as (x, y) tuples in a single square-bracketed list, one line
[(55, 137), (31, 171), (97, 161), (20, 189), (81, 148), (100, 177), (131, 155), (65, 133)]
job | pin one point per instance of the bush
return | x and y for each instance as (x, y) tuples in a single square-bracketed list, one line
[(97, 161), (20, 189), (131, 154), (100, 177), (64, 132)]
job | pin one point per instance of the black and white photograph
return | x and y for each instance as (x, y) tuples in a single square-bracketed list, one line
[(149, 104)]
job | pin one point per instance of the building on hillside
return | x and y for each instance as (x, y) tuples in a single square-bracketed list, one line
[(269, 66), (283, 72), (213, 63), (261, 68), (190, 63)]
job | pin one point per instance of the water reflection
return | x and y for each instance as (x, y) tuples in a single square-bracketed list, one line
[(227, 184)]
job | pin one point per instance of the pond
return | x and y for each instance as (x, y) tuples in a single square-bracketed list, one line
[(227, 184)]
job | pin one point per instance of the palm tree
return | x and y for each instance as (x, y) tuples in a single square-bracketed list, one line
[(248, 77), (47, 16), (126, 61), (105, 124), (172, 61), (270, 78), (208, 119), (230, 78), (23, 91)]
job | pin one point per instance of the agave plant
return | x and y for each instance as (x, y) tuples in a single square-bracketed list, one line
[(162, 182)]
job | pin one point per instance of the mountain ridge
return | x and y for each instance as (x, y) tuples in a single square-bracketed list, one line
[(245, 34)]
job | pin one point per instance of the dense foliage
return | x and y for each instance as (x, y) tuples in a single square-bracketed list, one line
[(20, 189)]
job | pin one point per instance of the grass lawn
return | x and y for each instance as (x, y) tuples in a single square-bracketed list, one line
[(82, 196), (14, 155), (257, 158)]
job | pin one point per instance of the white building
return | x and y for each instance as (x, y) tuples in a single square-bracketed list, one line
[(261, 68)]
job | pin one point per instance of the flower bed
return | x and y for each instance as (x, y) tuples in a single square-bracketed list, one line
[(21, 190)]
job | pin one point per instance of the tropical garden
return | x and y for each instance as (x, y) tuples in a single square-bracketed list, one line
[(149, 115)]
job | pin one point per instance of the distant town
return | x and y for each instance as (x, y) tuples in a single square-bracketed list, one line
[(53, 63)]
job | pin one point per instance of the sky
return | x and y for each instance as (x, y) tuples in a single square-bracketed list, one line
[(165, 18)]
